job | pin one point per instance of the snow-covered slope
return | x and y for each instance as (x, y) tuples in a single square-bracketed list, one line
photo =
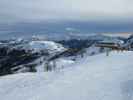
[(39, 45), (98, 77), (49, 45)]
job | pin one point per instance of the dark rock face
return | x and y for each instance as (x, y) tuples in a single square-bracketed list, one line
[(13, 58)]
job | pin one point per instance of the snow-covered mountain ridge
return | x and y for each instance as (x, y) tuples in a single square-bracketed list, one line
[(39, 55)]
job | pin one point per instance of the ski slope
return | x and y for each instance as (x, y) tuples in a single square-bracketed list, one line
[(97, 77)]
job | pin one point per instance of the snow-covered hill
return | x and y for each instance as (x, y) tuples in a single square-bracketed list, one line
[(97, 77), (50, 46)]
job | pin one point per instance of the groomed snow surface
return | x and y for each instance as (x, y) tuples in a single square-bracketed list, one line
[(97, 77)]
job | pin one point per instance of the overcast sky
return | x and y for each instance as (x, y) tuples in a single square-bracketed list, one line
[(41, 10)]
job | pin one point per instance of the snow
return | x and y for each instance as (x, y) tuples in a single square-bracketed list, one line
[(97, 77), (42, 45), (49, 45), (63, 63), (40, 66)]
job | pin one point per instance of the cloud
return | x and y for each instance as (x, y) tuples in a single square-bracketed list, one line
[(40, 10)]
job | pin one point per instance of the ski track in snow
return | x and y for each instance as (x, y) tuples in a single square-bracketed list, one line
[(97, 77)]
